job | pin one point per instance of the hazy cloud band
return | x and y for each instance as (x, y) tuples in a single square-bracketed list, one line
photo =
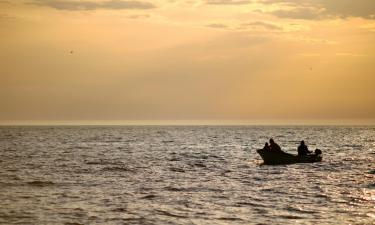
[(91, 5)]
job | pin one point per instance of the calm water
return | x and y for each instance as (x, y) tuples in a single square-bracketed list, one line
[(183, 175)]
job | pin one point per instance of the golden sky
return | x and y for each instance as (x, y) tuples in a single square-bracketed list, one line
[(111, 60)]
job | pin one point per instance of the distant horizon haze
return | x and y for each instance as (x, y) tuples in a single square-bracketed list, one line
[(337, 122)]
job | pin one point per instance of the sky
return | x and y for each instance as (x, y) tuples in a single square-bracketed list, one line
[(188, 60)]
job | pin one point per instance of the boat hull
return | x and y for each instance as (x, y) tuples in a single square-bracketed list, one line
[(277, 158)]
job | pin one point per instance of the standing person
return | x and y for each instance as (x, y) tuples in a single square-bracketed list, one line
[(303, 149), (274, 147)]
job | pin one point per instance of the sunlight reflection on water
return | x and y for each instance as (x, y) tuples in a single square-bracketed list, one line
[(183, 175)]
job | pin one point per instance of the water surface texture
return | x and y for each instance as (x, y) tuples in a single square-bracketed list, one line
[(184, 175)]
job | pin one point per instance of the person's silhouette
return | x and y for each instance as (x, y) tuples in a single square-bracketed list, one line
[(274, 147), (266, 146), (303, 149)]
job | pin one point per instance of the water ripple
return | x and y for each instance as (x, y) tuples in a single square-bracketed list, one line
[(183, 175)]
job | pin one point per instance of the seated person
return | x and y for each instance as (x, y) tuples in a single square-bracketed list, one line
[(266, 146), (274, 147), (303, 149)]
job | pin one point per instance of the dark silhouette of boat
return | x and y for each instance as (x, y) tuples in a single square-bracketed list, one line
[(280, 157)]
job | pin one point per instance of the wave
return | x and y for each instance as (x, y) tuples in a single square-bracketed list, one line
[(150, 196), (297, 210), (179, 170), (165, 213), (39, 183), (230, 218), (292, 217), (119, 168), (119, 210), (252, 204), (192, 189)]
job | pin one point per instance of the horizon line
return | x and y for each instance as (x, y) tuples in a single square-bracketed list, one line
[(263, 122)]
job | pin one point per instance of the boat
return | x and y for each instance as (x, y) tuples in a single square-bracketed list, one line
[(280, 157)]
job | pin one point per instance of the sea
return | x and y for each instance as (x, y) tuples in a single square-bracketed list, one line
[(75, 175)]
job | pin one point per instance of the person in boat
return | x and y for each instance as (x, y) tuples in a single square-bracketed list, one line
[(303, 149), (318, 151), (266, 146), (274, 147)]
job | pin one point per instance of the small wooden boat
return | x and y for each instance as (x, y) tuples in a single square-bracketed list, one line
[(276, 158)]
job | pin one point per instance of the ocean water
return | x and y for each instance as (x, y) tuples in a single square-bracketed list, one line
[(184, 175)]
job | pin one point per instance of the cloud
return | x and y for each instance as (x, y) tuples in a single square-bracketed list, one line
[(347, 8), (217, 25), (227, 2), (91, 5), (142, 16), (300, 13), (266, 25), (318, 9)]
